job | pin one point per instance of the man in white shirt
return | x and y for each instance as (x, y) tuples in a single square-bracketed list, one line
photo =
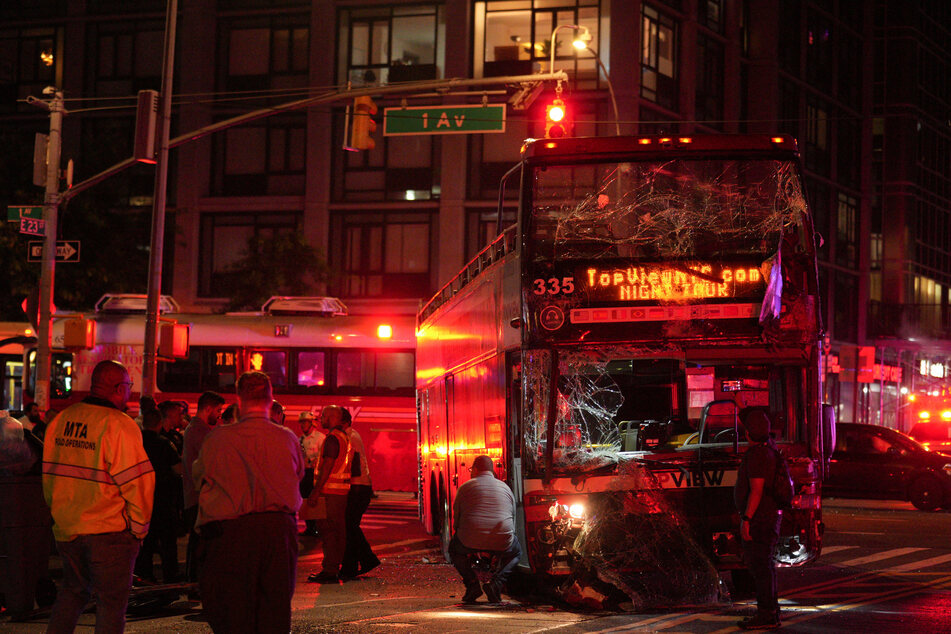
[(484, 519), (311, 443)]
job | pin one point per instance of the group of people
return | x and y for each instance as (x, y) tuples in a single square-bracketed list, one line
[(108, 484)]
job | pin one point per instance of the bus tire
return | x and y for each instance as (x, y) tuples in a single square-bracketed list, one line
[(925, 493), (445, 532)]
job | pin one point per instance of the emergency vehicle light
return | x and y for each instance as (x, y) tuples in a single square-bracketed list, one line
[(384, 331), (924, 415), (946, 414)]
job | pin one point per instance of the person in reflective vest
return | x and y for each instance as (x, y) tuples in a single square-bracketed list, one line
[(331, 486)]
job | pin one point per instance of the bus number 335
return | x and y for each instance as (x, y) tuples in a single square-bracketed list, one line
[(554, 286)]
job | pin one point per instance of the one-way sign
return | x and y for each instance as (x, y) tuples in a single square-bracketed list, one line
[(66, 251)]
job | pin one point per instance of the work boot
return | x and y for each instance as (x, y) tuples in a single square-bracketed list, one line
[(492, 592), (761, 621), (473, 592)]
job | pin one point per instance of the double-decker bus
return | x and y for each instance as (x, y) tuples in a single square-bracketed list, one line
[(600, 351), (314, 351)]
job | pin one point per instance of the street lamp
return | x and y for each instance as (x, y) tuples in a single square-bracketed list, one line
[(581, 42)]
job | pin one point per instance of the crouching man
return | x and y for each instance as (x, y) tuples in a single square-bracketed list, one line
[(484, 519)]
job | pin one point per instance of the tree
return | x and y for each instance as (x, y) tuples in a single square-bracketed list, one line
[(284, 264)]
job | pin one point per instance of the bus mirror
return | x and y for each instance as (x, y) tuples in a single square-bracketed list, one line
[(79, 333), (828, 433)]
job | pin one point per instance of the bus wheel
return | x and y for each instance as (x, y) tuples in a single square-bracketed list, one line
[(445, 533), (925, 493)]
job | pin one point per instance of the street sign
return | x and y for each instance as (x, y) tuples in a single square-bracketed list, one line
[(33, 227), (15, 212), (444, 120), (66, 251)]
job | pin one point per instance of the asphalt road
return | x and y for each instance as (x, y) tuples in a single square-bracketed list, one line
[(886, 567)]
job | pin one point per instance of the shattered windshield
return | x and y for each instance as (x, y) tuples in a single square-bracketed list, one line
[(664, 210), (611, 402)]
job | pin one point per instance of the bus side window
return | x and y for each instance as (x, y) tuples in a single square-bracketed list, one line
[(273, 363), (310, 369)]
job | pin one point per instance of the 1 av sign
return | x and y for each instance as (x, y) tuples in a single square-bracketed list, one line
[(444, 120)]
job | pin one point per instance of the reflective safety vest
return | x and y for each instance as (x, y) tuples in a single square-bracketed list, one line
[(339, 481), (97, 477)]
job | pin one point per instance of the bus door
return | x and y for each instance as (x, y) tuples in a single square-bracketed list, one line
[(513, 436), (12, 382)]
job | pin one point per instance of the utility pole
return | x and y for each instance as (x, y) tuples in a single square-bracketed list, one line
[(158, 209), (41, 392)]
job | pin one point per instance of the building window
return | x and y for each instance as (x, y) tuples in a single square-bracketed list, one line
[(658, 61), (817, 137), (710, 14), (846, 243), (398, 168), (819, 52), (790, 36), (391, 44), (224, 240), (709, 98), (258, 56), (844, 301), (267, 158), (382, 254), (514, 38), (28, 63)]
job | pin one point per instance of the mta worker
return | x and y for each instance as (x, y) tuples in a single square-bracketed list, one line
[(99, 485), (331, 487), (484, 519)]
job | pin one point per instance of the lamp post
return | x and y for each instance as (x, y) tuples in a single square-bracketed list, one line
[(581, 42)]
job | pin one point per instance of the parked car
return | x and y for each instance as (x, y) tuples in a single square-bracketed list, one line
[(933, 435), (877, 462)]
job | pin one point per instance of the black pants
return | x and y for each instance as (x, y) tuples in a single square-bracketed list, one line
[(306, 488), (758, 555), (191, 552), (248, 571), (357, 555), (164, 541), (508, 559)]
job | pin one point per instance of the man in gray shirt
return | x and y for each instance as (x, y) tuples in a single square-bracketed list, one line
[(484, 520)]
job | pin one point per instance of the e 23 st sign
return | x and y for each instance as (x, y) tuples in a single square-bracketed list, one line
[(475, 119)]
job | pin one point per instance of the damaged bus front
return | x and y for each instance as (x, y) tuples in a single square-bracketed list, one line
[(663, 285)]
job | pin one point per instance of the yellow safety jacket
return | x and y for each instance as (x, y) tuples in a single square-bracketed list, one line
[(97, 477), (339, 481)]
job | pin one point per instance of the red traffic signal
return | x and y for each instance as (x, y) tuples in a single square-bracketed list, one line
[(556, 123), (361, 135)]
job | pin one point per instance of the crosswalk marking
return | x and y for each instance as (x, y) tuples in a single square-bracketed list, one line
[(924, 563), (828, 550), (887, 554)]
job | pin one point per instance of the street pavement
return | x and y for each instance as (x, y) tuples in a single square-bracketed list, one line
[(885, 567)]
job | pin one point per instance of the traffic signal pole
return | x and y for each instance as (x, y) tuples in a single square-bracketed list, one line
[(150, 356), (41, 390)]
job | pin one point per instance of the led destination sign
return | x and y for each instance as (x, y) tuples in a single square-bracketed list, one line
[(671, 282)]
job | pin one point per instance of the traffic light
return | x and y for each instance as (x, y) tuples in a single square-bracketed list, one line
[(361, 134), (556, 121)]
